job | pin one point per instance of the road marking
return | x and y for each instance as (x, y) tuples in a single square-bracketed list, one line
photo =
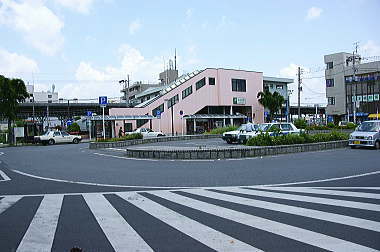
[(41, 231), (324, 180), (96, 184), (8, 201), (119, 233), (155, 160), (5, 177), (331, 202), (116, 149), (295, 233), (202, 233), (327, 192), (310, 213)]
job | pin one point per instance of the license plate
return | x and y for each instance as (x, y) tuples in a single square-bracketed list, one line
[(356, 142)]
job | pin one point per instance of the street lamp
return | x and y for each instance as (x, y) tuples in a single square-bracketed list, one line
[(171, 111)]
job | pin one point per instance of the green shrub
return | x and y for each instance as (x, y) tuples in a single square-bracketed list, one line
[(124, 138), (74, 127), (267, 140), (219, 131), (300, 123)]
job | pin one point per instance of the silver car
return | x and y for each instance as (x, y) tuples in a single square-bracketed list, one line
[(366, 134)]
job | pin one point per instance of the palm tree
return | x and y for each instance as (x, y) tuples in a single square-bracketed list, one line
[(273, 102)]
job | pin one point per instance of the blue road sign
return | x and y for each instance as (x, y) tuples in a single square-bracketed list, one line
[(69, 122), (158, 114), (181, 112), (103, 100), (89, 113)]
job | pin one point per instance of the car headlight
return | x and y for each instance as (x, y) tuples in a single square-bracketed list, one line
[(369, 138)]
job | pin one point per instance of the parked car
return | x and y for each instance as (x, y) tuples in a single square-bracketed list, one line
[(146, 132), (366, 134), (57, 136), (232, 136), (271, 128)]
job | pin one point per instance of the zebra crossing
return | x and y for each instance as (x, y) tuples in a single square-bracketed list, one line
[(251, 218)]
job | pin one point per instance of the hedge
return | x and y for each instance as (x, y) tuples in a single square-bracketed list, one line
[(123, 138), (219, 131), (265, 139)]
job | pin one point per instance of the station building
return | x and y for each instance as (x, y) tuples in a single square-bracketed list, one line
[(199, 101)]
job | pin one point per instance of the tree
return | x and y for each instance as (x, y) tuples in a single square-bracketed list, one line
[(74, 127), (12, 92), (273, 102)]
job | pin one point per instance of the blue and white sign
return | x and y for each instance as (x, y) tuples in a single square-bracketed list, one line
[(103, 101), (89, 113), (69, 122), (158, 114)]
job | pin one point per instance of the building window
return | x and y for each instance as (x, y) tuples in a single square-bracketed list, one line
[(211, 81), (329, 65), (200, 83), (172, 101), (188, 91), (266, 88), (279, 87), (238, 85), (331, 100), (160, 108), (141, 122), (329, 82)]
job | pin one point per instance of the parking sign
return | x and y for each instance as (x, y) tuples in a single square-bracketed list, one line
[(103, 101), (158, 114)]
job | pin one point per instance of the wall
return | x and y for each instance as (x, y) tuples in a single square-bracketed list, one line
[(220, 94)]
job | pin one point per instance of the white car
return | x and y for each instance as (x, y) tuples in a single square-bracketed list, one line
[(271, 128), (147, 132), (232, 136), (366, 134), (53, 137)]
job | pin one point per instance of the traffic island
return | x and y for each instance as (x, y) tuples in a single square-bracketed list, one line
[(207, 153)]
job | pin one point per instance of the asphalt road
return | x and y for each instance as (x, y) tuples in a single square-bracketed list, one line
[(58, 197)]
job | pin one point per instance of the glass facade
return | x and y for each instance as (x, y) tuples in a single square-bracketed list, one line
[(365, 91)]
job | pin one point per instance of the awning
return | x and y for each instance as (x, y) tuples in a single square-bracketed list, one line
[(214, 116), (374, 116), (119, 117)]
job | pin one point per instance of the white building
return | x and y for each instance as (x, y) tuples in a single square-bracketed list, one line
[(42, 96)]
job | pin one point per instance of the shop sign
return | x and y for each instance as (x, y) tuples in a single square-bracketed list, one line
[(239, 100)]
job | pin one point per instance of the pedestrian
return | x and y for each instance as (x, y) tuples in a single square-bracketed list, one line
[(120, 132)]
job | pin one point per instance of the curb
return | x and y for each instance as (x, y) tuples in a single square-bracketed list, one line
[(225, 153)]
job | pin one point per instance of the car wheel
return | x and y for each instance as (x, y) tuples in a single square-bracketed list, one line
[(51, 142), (160, 135), (76, 140), (377, 145)]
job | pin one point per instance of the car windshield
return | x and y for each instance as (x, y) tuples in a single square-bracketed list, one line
[(46, 133), (369, 127), (242, 127), (264, 127)]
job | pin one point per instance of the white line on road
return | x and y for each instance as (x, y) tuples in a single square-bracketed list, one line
[(41, 231), (202, 233), (310, 213), (324, 201), (5, 177), (8, 201), (327, 192), (119, 233), (295, 233)]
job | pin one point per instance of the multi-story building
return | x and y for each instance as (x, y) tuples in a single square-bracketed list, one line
[(348, 96), (203, 100)]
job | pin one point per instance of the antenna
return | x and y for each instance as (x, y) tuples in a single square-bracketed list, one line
[(175, 59)]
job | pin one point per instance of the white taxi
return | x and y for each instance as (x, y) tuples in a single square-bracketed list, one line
[(57, 136)]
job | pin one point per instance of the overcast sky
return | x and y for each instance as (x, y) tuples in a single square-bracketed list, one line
[(85, 46)]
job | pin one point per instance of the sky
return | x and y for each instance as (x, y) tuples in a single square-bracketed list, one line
[(84, 47)]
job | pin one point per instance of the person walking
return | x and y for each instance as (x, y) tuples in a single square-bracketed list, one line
[(120, 132)]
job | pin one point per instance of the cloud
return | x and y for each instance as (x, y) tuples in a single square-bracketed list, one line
[(92, 82), (15, 65), (189, 13), (370, 49), (81, 6), (313, 90), (40, 27), (134, 26), (313, 13)]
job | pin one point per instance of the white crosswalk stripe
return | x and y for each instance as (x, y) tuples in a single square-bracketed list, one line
[(41, 231)]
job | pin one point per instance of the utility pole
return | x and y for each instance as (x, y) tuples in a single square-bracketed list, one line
[(126, 89), (353, 58), (299, 91)]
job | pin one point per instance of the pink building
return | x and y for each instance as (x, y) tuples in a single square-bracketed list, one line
[(199, 101)]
